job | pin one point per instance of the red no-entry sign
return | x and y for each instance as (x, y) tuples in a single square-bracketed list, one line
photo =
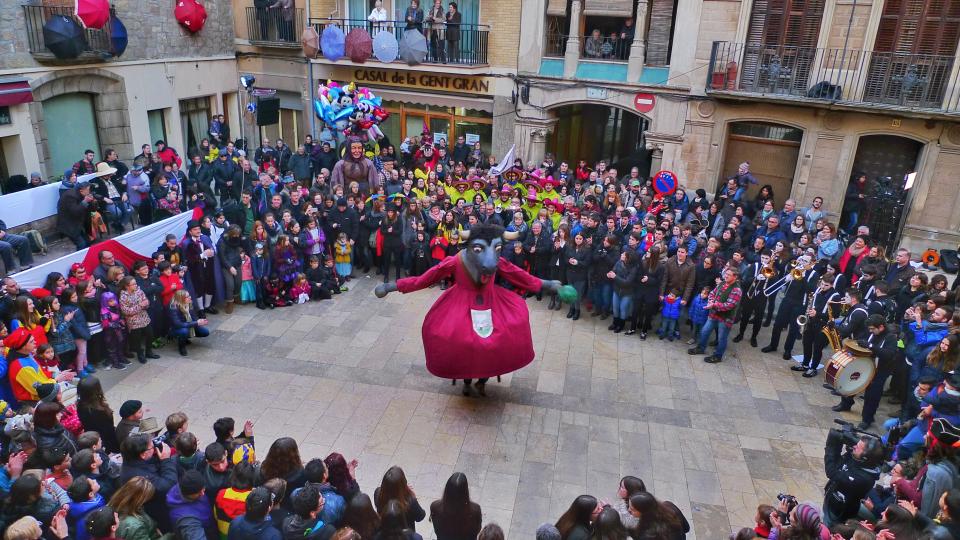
[(644, 102)]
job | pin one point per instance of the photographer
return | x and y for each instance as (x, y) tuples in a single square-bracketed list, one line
[(142, 456), (852, 465)]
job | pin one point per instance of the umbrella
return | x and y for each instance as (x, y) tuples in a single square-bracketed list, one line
[(413, 47), (331, 43), (385, 46), (359, 45), (64, 37), (191, 15), (118, 36), (310, 41), (92, 13)]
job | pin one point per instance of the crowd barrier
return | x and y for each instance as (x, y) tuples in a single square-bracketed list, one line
[(29, 205), (142, 241)]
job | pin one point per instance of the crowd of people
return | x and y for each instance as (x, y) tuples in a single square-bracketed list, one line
[(285, 226)]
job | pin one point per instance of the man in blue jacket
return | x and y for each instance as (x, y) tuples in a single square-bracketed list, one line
[(255, 524), (142, 458), (190, 509)]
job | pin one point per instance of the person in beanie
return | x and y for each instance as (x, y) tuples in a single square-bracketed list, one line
[(255, 524), (131, 412), (190, 509), (23, 371)]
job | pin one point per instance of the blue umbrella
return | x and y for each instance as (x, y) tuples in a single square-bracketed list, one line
[(385, 46), (64, 37), (413, 47), (118, 36), (332, 42)]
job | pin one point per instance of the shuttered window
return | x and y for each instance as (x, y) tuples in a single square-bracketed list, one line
[(781, 45), (913, 52)]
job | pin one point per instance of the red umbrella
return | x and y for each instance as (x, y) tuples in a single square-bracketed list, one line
[(191, 15), (359, 45), (92, 13)]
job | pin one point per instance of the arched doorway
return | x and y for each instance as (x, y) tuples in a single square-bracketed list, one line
[(772, 151), (885, 161), (72, 122), (600, 132)]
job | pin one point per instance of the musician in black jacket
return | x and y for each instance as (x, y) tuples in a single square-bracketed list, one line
[(817, 318), (883, 343), (794, 296), (853, 326), (754, 300)]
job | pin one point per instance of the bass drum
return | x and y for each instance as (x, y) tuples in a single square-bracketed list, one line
[(850, 375)]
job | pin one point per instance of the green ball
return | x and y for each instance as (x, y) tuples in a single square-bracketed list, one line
[(567, 294)]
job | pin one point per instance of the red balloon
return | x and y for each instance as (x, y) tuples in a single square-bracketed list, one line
[(190, 14)]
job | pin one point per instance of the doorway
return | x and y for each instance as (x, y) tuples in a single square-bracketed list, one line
[(884, 160), (770, 149), (71, 128), (600, 132)]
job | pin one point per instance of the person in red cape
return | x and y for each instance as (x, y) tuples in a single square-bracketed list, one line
[(476, 330)]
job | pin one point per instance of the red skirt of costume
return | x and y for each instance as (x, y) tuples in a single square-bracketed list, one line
[(475, 331)]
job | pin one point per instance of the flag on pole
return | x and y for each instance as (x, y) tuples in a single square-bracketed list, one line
[(505, 163)]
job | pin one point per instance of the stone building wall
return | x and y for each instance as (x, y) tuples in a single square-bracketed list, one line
[(154, 33)]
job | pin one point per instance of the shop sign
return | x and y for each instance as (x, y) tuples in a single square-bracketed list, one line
[(596, 93), (467, 84)]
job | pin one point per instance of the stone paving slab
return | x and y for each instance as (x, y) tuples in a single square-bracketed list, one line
[(348, 375)]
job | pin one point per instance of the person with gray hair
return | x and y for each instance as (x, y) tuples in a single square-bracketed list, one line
[(547, 531)]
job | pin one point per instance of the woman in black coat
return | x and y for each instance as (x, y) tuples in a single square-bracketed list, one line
[(455, 516), (394, 488), (48, 431), (624, 277), (95, 413), (391, 229), (649, 275), (578, 256)]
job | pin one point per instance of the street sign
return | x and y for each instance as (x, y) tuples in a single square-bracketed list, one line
[(665, 182), (596, 93), (263, 92), (644, 102)]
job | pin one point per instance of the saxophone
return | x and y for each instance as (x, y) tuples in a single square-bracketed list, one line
[(830, 330)]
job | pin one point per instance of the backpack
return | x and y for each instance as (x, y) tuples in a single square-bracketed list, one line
[(37, 244)]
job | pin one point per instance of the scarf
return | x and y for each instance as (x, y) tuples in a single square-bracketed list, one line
[(188, 318)]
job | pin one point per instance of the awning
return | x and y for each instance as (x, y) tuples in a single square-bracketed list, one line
[(15, 92), (437, 100)]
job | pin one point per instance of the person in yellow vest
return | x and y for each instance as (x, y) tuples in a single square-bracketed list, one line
[(460, 190), (476, 188), (549, 192), (531, 207), (503, 201), (554, 212)]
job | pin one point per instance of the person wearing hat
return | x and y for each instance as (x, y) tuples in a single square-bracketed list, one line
[(190, 509), (138, 193), (24, 373), (73, 210), (131, 413), (199, 258), (549, 192), (938, 473)]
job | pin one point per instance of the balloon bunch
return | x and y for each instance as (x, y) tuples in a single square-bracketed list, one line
[(350, 109)]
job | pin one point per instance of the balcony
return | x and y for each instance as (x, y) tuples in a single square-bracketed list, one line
[(597, 58), (98, 45), (856, 79), (271, 28), (470, 50)]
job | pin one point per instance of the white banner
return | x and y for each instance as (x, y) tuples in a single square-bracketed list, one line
[(143, 241), (29, 205)]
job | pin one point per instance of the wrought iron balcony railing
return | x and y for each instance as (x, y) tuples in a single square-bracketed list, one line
[(850, 77), (274, 27)]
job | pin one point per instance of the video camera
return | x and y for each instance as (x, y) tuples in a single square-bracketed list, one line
[(847, 433)]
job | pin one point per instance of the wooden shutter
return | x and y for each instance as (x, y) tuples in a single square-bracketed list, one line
[(557, 8), (919, 27), (609, 8), (785, 23)]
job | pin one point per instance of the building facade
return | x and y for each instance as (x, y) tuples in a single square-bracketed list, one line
[(466, 90), (810, 93), (165, 85)]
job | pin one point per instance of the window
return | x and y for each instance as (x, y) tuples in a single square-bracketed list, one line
[(287, 129), (195, 122), (763, 130), (157, 124), (781, 44), (5, 119)]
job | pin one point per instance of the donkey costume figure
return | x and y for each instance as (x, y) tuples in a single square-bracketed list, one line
[(476, 329)]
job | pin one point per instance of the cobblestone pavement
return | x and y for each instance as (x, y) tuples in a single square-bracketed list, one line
[(348, 375)]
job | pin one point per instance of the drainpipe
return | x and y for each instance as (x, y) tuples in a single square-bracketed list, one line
[(310, 87)]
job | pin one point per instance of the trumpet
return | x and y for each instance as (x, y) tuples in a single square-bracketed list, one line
[(769, 270), (798, 269)]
